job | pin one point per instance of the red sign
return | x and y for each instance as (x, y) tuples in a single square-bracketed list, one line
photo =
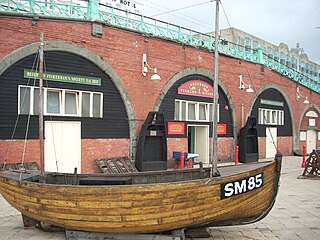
[(176, 128), (197, 88), (222, 128)]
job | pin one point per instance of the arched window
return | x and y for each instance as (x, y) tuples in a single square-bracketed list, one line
[(276, 55), (247, 44), (282, 58), (288, 62), (302, 67), (270, 52), (255, 46), (294, 63)]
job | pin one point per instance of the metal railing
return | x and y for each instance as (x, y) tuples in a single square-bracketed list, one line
[(93, 10)]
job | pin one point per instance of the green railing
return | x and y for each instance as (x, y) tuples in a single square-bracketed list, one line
[(93, 10)]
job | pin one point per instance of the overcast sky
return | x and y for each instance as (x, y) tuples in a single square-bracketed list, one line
[(276, 21)]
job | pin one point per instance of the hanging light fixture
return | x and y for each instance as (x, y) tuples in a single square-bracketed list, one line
[(145, 67), (298, 95), (242, 85)]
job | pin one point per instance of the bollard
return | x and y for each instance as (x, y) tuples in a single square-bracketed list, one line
[(237, 155), (182, 160), (303, 165)]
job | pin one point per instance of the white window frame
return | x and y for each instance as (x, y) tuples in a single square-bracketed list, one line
[(270, 116), (197, 111), (62, 102)]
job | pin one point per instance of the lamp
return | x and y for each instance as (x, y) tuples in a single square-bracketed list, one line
[(145, 67), (242, 85), (298, 94)]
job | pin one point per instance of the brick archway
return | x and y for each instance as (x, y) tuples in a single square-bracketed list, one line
[(30, 49), (210, 75)]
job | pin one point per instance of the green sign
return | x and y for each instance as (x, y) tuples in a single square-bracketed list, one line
[(271, 102), (59, 77)]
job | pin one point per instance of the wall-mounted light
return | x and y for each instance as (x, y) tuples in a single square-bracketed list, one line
[(242, 85), (298, 95), (145, 67)]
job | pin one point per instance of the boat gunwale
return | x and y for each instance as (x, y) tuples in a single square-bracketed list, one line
[(245, 171)]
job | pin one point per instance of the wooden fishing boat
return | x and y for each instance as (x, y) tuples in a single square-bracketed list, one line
[(144, 202)]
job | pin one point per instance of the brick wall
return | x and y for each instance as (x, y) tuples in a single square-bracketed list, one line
[(123, 50)]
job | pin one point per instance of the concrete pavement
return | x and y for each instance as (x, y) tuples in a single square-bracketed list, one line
[(296, 214)]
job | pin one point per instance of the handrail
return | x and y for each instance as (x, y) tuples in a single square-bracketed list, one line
[(93, 10)]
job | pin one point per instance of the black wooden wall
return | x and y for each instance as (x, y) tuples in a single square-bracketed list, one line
[(114, 123), (167, 105), (273, 94)]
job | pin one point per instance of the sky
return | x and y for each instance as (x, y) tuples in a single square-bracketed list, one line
[(276, 21)]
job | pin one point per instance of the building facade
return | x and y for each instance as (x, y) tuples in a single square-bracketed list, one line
[(98, 95), (293, 58)]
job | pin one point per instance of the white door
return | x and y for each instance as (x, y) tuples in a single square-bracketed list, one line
[(202, 143), (311, 140), (271, 142), (62, 146)]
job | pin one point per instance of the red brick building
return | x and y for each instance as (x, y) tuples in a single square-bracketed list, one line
[(97, 97)]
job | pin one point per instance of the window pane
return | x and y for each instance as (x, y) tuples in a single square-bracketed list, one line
[(24, 100), (183, 111), (176, 110), (96, 105), (53, 102), (210, 113), (36, 101), (202, 112), (71, 103), (85, 104), (191, 111)]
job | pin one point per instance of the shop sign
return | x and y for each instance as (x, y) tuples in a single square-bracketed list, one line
[(196, 88), (59, 77), (222, 128), (271, 102), (176, 128)]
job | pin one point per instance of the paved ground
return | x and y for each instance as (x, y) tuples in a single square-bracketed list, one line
[(296, 214)]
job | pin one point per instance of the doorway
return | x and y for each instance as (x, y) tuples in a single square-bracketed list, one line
[(198, 142), (271, 142), (311, 140), (62, 146)]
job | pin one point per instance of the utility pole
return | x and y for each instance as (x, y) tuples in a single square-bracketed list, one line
[(41, 135), (215, 171)]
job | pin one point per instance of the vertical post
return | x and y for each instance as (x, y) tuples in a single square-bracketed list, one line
[(31, 4), (181, 160), (237, 155), (242, 114), (214, 171), (260, 55), (41, 135), (303, 165), (93, 10)]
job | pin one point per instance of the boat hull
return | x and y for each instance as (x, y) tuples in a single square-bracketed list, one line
[(144, 208)]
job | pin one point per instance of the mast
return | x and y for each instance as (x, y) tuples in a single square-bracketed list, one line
[(41, 135), (214, 171)]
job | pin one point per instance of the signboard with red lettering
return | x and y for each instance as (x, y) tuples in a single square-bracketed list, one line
[(222, 128), (176, 128), (197, 88)]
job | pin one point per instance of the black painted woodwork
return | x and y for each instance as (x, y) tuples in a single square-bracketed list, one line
[(152, 145), (273, 94), (114, 123), (167, 106), (248, 142)]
